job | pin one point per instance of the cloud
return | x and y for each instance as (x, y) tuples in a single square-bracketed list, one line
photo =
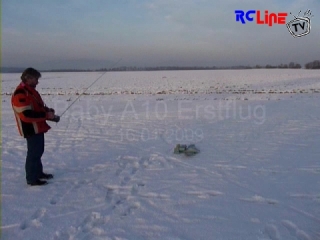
[(165, 32)]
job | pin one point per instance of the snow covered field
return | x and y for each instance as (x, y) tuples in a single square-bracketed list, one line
[(116, 176)]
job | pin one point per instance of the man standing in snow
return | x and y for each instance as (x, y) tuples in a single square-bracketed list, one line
[(31, 115)]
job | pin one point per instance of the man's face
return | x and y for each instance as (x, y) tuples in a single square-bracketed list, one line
[(32, 81)]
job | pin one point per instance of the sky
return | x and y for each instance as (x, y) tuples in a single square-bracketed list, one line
[(48, 34)]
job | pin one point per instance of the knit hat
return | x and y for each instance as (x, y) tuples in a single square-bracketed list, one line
[(30, 72)]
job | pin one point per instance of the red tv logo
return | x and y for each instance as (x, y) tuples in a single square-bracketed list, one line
[(268, 18)]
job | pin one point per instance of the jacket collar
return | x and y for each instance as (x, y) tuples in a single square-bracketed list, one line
[(23, 85)]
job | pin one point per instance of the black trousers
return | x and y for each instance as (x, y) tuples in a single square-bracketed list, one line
[(33, 166)]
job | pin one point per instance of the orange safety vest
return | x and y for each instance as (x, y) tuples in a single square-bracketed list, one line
[(29, 110)]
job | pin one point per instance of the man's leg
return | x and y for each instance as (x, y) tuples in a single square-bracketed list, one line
[(33, 165), (41, 151)]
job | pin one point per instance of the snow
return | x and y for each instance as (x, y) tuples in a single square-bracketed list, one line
[(116, 176)]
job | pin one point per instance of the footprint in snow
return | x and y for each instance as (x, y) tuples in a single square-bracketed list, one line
[(34, 221), (295, 231), (90, 228), (272, 231)]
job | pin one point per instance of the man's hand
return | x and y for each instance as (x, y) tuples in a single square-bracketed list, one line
[(51, 110), (50, 115)]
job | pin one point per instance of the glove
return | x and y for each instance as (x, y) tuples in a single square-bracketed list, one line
[(51, 110), (55, 119)]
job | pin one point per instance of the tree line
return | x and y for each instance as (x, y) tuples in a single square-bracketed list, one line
[(313, 65), (310, 65), (292, 65)]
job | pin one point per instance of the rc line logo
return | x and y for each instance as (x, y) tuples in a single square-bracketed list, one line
[(269, 18), (300, 26)]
